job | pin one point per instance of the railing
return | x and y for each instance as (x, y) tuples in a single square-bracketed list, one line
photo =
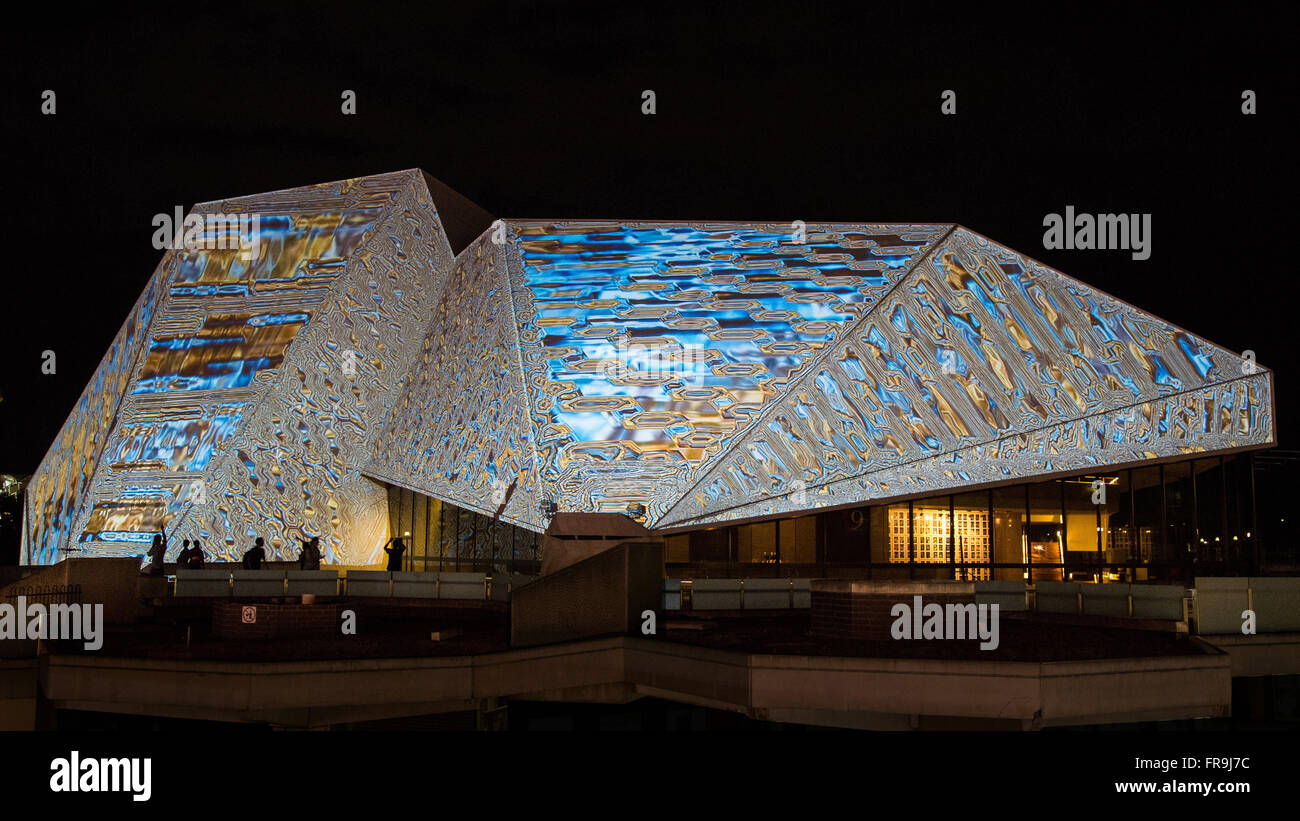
[(276, 583), (47, 593), (737, 594), (1223, 604)]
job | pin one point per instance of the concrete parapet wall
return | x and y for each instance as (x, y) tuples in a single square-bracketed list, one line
[(601, 595)]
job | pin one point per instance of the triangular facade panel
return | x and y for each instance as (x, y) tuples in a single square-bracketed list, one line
[(264, 378), (982, 366), (459, 428)]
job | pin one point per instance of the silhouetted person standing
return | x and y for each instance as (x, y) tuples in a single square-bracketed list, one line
[(395, 553), (253, 559), (157, 555), (309, 559), (196, 556)]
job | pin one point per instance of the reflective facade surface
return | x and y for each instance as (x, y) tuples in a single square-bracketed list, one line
[(459, 428), (649, 347), (686, 373), (983, 366), (225, 411)]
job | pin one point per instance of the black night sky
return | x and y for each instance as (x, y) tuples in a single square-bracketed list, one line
[(792, 112)]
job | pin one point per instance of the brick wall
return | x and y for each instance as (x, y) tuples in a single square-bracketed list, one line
[(274, 620)]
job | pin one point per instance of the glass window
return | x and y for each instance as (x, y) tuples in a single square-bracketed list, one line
[(799, 540), (847, 535), (712, 546), (1237, 476), (1081, 534), (464, 538), (931, 538), (1117, 535), (756, 543), (1276, 478), (1209, 511), (1178, 511), (1046, 532), (1009, 536), (1147, 503), (482, 538), (970, 524), (890, 535), (417, 545), (677, 548)]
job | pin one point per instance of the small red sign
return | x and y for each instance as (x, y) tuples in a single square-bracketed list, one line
[(250, 615)]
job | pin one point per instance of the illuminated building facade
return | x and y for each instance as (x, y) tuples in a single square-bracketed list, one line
[(885, 398)]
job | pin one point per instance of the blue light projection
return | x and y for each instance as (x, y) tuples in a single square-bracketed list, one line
[(657, 342), (986, 359), (702, 371)]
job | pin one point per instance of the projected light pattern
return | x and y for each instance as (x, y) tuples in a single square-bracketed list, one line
[(982, 357), (705, 372), (229, 330), (292, 469), (654, 343), (459, 430), (59, 491), (299, 252), (225, 353), (183, 439), (209, 371)]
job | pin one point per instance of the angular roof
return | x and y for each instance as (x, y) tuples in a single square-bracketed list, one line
[(690, 372)]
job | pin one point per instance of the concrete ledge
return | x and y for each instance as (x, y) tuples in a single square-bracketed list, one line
[(1219, 604), (411, 584), (715, 594), (767, 594), (1276, 603), (202, 583), (1276, 654), (1105, 599), (368, 583), (319, 583), (905, 590), (881, 693), (1158, 601), (462, 586), (258, 583), (1009, 596), (1056, 597)]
